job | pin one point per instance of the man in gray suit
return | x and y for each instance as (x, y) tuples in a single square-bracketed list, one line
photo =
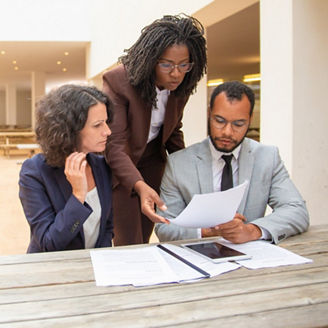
[(200, 169)]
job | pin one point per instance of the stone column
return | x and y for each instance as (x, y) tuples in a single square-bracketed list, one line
[(294, 72)]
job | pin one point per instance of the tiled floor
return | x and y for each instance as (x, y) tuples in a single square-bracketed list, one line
[(14, 230)]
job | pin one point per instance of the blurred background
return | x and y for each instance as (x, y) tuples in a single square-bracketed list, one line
[(279, 48)]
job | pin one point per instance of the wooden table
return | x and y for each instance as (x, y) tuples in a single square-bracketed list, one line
[(58, 290)]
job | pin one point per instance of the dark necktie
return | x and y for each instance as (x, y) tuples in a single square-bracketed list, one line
[(226, 181)]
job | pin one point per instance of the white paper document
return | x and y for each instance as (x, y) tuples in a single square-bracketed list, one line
[(265, 254), (139, 267), (150, 266), (209, 210)]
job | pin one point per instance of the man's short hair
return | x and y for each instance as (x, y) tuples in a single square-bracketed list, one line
[(234, 90)]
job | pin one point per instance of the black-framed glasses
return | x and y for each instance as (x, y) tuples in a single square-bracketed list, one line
[(168, 67), (220, 123)]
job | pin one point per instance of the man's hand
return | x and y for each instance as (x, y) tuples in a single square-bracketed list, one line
[(237, 231), (148, 199)]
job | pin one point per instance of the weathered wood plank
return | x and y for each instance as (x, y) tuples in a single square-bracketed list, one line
[(178, 294), (46, 273), (80, 270), (77, 312), (227, 286), (297, 317)]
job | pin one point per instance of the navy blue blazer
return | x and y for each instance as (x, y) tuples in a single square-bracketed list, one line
[(55, 216)]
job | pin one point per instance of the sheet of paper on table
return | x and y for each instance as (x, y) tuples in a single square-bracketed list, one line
[(150, 266), (265, 254), (209, 210)]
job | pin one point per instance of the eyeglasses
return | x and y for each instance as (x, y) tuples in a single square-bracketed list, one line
[(220, 123), (168, 67)]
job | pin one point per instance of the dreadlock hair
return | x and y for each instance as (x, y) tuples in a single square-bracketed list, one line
[(140, 60)]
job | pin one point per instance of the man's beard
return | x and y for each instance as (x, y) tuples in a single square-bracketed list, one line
[(224, 150)]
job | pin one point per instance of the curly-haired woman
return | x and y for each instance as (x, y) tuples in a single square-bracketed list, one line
[(66, 190), (150, 90)]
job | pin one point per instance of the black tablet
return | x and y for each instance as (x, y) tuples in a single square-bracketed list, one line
[(216, 252)]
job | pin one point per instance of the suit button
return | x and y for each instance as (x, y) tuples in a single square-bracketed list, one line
[(281, 237), (75, 225)]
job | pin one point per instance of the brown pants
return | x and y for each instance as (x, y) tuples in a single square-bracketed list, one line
[(130, 225)]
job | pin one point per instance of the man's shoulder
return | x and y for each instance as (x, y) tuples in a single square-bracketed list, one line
[(190, 151), (257, 147)]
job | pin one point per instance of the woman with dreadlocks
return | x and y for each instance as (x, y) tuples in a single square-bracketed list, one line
[(150, 90)]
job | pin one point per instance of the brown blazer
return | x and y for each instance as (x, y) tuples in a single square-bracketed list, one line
[(130, 127)]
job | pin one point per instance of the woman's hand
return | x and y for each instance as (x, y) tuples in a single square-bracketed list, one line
[(75, 165), (148, 199)]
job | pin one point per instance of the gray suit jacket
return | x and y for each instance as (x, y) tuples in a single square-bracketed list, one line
[(189, 172)]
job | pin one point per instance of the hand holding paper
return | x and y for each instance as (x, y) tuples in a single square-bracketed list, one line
[(209, 210)]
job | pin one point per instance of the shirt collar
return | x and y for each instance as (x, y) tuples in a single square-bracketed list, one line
[(216, 155), (163, 92)]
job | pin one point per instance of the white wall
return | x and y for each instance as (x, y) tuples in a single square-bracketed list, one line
[(310, 86), (40, 20), (294, 116), (116, 25), (195, 115), (277, 76)]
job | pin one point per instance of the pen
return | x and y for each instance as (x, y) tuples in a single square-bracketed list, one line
[(204, 273)]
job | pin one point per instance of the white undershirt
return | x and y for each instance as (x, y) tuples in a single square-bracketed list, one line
[(158, 113), (92, 224)]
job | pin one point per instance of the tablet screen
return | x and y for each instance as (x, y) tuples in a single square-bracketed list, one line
[(214, 250)]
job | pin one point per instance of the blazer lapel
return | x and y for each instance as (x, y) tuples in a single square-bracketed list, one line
[(102, 191), (204, 167), (63, 185), (246, 164), (169, 117)]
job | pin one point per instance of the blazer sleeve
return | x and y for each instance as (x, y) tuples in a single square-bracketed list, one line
[(175, 202), (289, 213), (51, 230), (120, 162)]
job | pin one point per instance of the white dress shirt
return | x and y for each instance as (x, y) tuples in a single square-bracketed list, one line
[(158, 113), (218, 164)]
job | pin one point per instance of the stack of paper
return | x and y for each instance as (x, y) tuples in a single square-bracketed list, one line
[(149, 265)]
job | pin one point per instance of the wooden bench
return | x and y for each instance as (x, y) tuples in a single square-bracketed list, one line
[(18, 140), (31, 149)]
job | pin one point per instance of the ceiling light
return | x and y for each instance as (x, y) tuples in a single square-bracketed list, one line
[(14, 62), (252, 77), (215, 82), (59, 62), (3, 52), (16, 68), (64, 69), (66, 53)]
